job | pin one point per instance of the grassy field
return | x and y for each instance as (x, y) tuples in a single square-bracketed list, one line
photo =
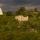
[(9, 26), (10, 31)]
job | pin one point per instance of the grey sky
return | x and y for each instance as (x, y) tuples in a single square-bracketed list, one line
[(14, 4)]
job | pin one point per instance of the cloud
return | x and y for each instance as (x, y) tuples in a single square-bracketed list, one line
[(1, 4), (13, 5)]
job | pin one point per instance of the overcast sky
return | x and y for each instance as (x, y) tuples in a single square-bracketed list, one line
[(14, 4)]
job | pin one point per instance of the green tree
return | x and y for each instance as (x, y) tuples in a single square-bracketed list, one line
[(21, 11), (9, 13), (35, 10)]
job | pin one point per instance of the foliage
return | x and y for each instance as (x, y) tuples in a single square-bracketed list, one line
[(21, 11), (35, 10), (9, 13), (9, 27)]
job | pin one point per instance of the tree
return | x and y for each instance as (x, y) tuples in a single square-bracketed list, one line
[(35, 10), (9, 13), (21, 11)]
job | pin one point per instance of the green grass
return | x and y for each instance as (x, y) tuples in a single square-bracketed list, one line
[(10, 31)]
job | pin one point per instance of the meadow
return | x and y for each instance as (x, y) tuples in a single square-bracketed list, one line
[(9, 26)]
